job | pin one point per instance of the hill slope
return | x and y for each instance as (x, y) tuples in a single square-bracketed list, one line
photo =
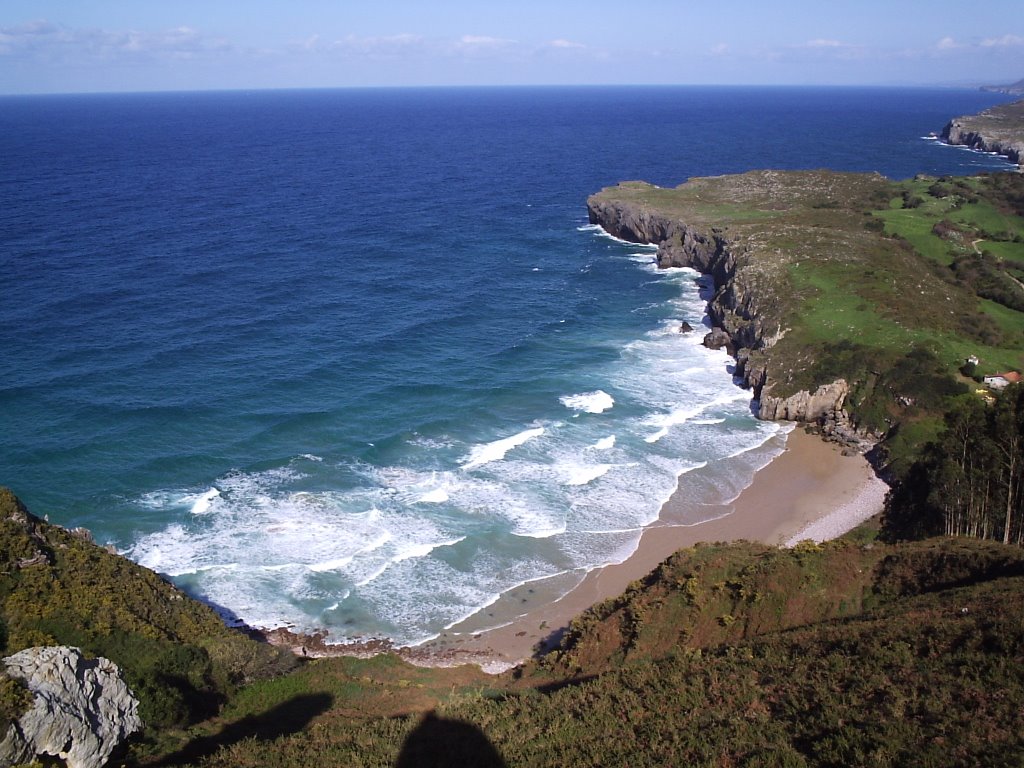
[(838, 655), (58, 588)]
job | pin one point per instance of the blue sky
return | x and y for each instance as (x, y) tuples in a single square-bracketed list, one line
[(49, 46)]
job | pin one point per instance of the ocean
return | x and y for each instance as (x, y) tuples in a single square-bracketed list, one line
[(354, 360)]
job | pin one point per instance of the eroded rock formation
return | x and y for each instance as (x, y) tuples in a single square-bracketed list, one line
[(82, 708)]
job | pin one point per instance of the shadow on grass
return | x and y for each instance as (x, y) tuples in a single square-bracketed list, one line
[(284, 719), (440, 743)]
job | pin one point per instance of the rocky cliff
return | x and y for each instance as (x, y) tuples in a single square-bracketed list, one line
[(745, 304), (1000, 130), (82, 708)]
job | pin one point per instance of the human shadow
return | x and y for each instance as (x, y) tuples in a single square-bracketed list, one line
[(284, 719), (440, 743)]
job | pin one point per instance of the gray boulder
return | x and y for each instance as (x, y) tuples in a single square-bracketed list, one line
[(82, 708), (717, 338)]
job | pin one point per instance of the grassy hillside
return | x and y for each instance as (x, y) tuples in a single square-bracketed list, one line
[(850, 653), (846, 655), (58, 588)]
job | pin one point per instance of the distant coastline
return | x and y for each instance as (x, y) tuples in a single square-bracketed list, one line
[(999, 130)]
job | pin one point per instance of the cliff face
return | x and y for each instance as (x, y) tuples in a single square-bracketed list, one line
[(1000, 130), (957, 133), (741, 307)]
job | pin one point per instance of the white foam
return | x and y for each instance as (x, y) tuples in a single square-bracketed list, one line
[(436, 496), (495, 451), (202, 504), (602, 232), (707, 422), (331, 565), (422, 550), (582, 474), (605, 443), (598, 401), (682, 415)]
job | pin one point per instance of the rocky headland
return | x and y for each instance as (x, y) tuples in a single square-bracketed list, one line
[(843, 299), (999, 129), (723, 227)]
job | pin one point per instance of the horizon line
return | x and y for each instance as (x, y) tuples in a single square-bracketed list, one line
[(494, 86)]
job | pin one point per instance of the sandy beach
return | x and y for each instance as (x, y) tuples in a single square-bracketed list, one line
[(809, 491)]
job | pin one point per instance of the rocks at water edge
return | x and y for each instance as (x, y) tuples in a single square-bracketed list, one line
[(717, 338), (804, 405), (82, 708)]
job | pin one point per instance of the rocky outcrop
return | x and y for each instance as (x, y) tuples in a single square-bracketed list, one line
[(742, 312), (734, 309), (806, 406), (82, 708), (999, 130)]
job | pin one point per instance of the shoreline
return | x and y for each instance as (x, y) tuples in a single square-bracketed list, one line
[(809, 491)]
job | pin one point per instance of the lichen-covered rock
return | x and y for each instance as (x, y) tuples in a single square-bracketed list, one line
[(82, 708)]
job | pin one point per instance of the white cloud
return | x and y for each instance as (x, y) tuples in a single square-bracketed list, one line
[(720, 50), (947, 44), (820, 43), (1006, 41), (560, 43), (483, 41), (42, 39), (383, 45)]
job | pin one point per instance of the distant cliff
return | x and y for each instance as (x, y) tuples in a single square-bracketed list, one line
[(1014, 89), (999, 129)]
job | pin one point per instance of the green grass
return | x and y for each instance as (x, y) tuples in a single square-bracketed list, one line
[(1008, 251), (983, 217), (916, 229)]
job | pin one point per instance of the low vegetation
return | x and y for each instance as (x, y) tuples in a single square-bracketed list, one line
[(850, 653)]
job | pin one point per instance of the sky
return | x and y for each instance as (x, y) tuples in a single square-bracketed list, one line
[(71, 46)]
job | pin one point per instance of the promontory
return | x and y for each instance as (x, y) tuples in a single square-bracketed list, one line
[(849, 301)]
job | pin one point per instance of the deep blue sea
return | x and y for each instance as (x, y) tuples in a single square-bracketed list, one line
[(353, 359)]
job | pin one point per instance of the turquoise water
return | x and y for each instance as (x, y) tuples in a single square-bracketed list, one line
[(354, 359)]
